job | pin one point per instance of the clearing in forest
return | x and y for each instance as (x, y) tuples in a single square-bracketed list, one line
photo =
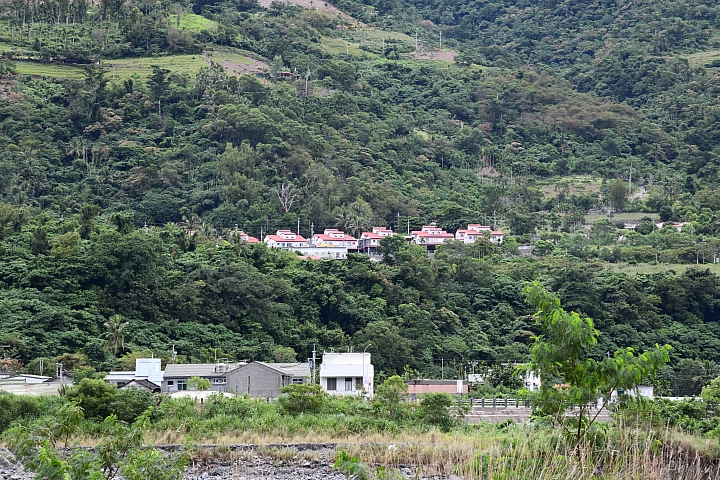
[(320, 5), (701, 59)]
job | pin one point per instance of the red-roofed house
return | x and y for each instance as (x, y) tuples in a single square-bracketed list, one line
[(430, 236), (369, 241), (244, 236), (476, 231), (332, 237), (286, 240)]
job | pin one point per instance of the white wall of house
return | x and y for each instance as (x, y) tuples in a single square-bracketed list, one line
[(347, 374)]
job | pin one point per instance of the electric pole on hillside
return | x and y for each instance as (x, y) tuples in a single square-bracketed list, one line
[(307, 78), (630, 180)]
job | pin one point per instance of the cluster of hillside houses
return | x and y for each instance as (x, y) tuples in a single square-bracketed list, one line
[(335, 244)]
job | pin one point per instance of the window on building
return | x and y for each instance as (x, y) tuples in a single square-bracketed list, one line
[(348, 384), (332, 384), (298, 381), (182, 385), (171, 383), (218, 380)]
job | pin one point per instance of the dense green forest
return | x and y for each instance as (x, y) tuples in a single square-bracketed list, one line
[(122, 183)]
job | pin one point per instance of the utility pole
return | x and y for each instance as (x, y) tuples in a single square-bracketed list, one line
[(408, 226), (347, 48), (416, 44), (383, 47), (42, 366), (313, 370), (307, 78), (440, 39), (630, 180), (298, 230), (442, 369)]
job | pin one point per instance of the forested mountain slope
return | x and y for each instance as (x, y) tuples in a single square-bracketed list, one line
[(131, 152)]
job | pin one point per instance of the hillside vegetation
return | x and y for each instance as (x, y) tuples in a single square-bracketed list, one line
[(131, 149)]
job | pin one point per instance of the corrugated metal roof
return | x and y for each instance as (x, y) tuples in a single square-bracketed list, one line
[(292, 369), (186, 370)]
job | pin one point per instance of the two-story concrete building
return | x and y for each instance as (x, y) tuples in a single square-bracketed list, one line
[(476, 231), (332, 237), (286, 240), (370, 241), (430, 237), (146, 369), (261, 379), (347, 374)]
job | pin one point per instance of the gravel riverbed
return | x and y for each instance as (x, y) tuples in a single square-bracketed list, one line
[(244, 463)]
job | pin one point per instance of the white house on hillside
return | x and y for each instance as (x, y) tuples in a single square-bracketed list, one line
[(431, 236), (476, 231), (370, 241), (332, 237), (347, 374), (286, 240)]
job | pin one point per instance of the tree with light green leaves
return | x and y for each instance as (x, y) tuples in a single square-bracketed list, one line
[(576, 388), (114, 334)]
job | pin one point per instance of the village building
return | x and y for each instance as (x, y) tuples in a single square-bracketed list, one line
[(286, 240), (177, 375), (370, 241), (146, 369), (347, 374), (332, 237), (419, 387), (476, 231), (244, 236), (261, 379), (430, 237)]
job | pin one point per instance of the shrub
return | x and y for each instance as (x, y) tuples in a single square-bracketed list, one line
[(197, 383), (16, 407), (130, 403), (94, 396), (389, 397), (302, 399), (435, 410)]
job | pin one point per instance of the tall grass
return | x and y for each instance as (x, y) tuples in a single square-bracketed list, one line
[(531, 452)]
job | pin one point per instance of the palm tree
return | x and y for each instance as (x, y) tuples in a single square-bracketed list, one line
[(114, 334)]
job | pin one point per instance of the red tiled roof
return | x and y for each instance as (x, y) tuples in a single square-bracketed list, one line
[(278, 238), (496, 232), (433, 235), (370, 236)]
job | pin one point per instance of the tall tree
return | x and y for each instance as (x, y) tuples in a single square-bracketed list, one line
[(114, 334)]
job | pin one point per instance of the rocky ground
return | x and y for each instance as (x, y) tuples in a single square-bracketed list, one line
[(244, 463)]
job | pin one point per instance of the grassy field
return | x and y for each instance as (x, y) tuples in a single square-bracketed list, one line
[(646, 269), (26, 67), (579, 185), (194, 23), (617, 217), (336, 46), (132, 67), (700, 59), (142, 67)]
